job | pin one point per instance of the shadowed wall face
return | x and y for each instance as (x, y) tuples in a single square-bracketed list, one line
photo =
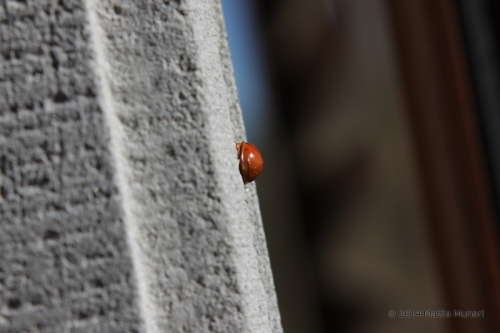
[(65, 262)]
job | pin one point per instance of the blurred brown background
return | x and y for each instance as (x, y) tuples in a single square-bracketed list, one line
[(378, 123)]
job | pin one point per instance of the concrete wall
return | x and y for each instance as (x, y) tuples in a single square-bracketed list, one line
[(122, 208)]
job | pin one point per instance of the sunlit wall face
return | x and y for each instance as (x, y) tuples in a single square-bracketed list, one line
[(339, 192)]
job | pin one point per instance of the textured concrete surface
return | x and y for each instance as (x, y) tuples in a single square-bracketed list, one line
[(122, 209)]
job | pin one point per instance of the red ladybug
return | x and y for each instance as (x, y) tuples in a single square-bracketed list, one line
[(251, 161)]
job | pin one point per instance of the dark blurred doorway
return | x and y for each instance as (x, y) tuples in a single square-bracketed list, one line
[(377, 194)]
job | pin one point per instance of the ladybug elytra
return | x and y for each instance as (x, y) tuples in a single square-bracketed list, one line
[(251, 161)]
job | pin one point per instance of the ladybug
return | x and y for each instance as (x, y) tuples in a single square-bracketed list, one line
[(251, 161)]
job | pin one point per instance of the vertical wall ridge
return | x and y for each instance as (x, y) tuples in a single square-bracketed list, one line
[(102, 72)]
